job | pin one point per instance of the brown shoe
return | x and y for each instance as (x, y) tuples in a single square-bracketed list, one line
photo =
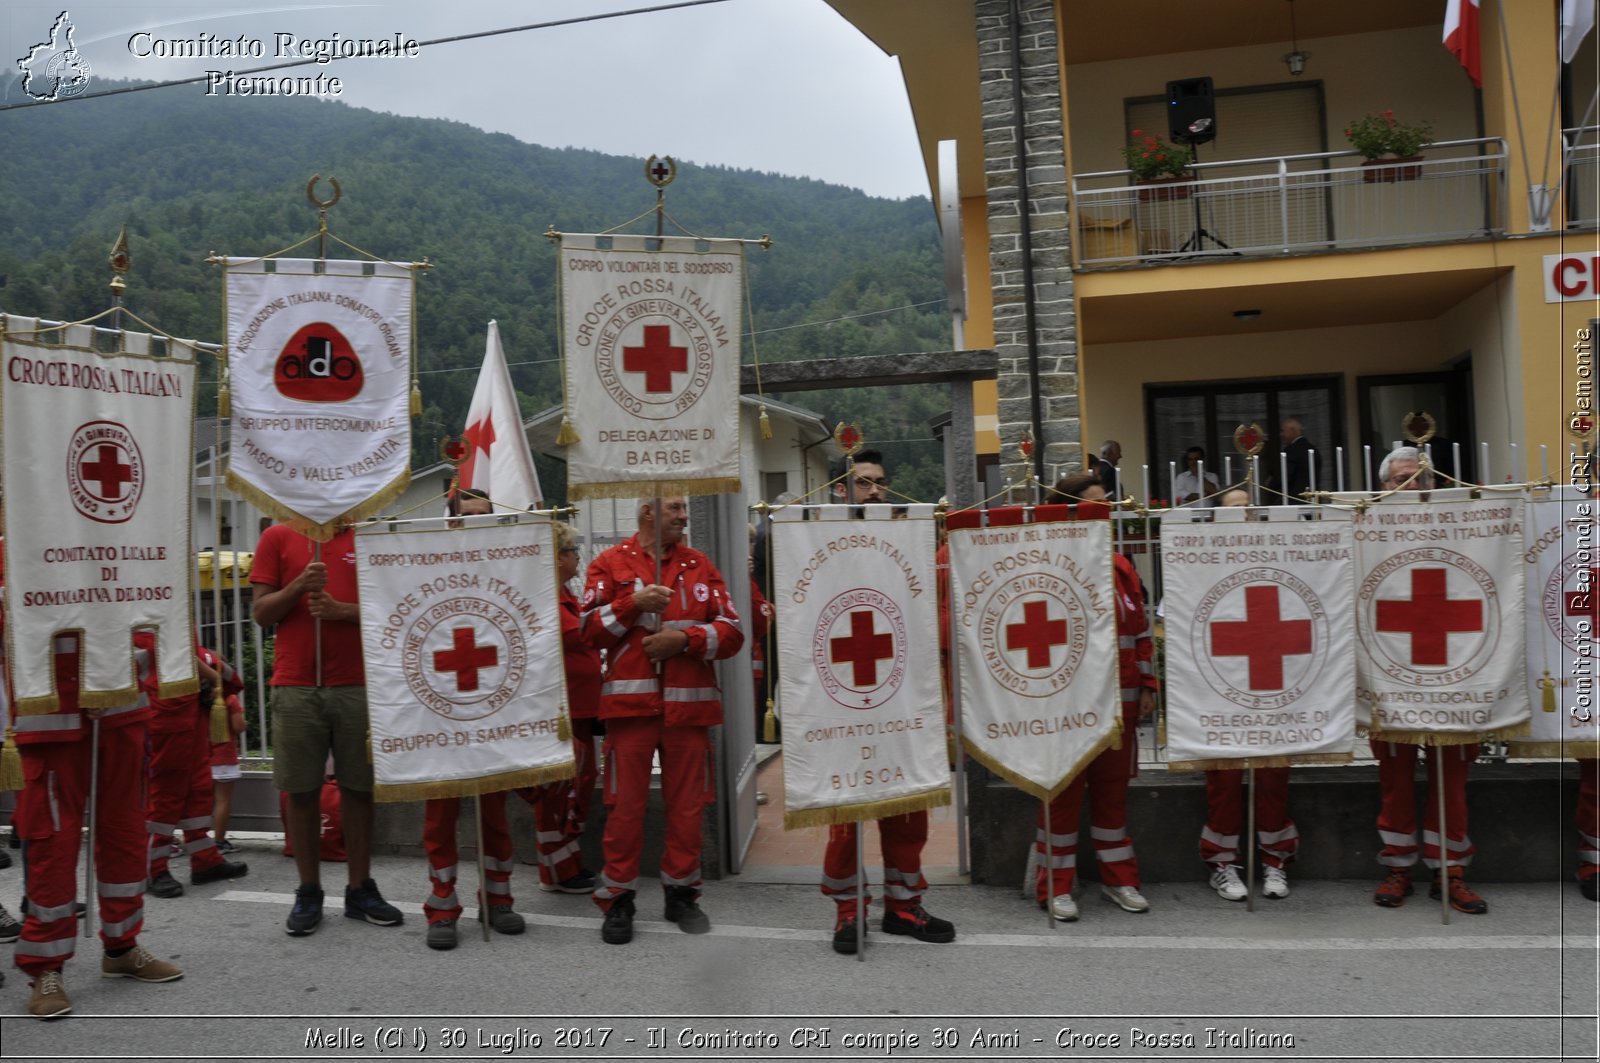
[(49, 997), (1394, 889), (1462, 898), (139, 963)]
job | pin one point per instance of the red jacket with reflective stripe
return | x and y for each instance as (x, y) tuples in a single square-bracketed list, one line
[(1135, 648), (685, 691), (582, 661)]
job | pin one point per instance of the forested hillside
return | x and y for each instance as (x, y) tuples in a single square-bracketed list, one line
[(190, 176)]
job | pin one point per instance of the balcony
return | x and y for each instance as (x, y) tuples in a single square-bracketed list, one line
[(1582, 176), (1298, 204)]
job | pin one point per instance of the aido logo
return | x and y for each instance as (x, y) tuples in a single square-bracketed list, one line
[(318, 365)]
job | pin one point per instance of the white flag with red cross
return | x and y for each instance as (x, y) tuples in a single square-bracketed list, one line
[(1563, 616), (651, 337), (1439, 616), (1033, 604), (858, 653), (319, 375), (97, 449), (461, 634), (498, 460), (1260, 637)]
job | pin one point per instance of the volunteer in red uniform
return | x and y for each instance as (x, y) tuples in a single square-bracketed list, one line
[(1107, 776), (293, 592), (56, 752), (659, 694), (439, 815), (1397, 761), (902, 837), (1276, 835), (179, 793)]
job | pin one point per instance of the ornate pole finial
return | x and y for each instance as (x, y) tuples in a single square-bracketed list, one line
[(121, 261), (1419, 427), (849, 437)]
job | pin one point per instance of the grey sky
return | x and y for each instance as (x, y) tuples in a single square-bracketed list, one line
[(779, 85)]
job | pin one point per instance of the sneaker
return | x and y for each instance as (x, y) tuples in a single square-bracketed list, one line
[(1063, 907), (442, 935), (917, 923), (617, 927), (49, 997), (844, 932), (10, 929), (366, 903), (1225, 880), (1274, 881), (582, 882), (225, 847), (1590, 888), (140, 964), (1394, 889), (1128, 898), (164, 885), (502, 920), (175, 851), (1462, 898), (307, 911), (682, 909), (225, 870)]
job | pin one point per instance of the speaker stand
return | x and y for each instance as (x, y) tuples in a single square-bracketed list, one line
[(1195, 245)]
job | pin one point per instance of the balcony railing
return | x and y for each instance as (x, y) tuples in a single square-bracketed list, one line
[(1583, 173), (1293, 204)]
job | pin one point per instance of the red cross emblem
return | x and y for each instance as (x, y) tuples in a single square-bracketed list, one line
[(465, 658), (1037, 634), (1587, 602), (862, 649), (108, 470), (1263, 637), (658, 359), (1581, 424), (1430, 616), (479, 436)]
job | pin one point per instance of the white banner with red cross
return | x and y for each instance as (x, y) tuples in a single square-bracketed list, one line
[(651, 332), (319, 378), (97, 450), (461, 634), (1035, 616), (1439, 616), (1563, 580), (1260, 637), (858, 651)]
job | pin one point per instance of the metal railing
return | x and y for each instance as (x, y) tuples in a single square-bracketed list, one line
[(1582, 177), (1292, 204)]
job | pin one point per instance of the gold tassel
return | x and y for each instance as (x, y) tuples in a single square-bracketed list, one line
[(10, 766), (568, 434), (769, 725), (766, 423), (219, 721), (563, 728), (416, 398), (1547, 689), (224, 401)]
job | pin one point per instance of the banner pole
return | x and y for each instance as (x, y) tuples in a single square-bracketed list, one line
[(861, 894), (1249, 846), (1444, 842), (316, 621), (483, 878), (90, 899), (1049, 865), (963, 856)]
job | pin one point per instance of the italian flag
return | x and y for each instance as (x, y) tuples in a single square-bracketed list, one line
[(1461, 36)]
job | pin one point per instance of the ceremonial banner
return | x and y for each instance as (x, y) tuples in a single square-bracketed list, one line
[(498, 461), (319, 375), (650, 331), (461, 633), (1562, 617), (1439, 617), (858, 649), (1260, 638), (1034, 608), (97, 450)]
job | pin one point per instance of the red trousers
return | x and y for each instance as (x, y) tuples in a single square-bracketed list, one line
[(561, 809), (1276, 835), (1106, 780), (179, 797), (1397, 818), (49, 819), (1588, 819), (439, 842), (902, 838), (687, 786)]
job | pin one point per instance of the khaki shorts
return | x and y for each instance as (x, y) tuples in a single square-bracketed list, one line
[(308, 723)]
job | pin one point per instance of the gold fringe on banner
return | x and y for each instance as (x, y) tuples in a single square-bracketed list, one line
[(11, 777), (178, 689), (1580, 750), (568, 435), (894, 806), (1290, 761), (487, 784), (304, 525), (1437, 738), (219, 722), (711, 485), (1111, 740)]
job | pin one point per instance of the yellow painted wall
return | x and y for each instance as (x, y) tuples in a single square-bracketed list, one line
[(980, 317)]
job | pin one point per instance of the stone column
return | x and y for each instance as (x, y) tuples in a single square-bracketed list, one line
[(1036, 173)]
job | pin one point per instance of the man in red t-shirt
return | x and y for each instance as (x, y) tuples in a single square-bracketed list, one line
[(319, 706)]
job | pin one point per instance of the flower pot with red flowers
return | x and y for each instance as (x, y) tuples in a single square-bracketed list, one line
[(1160, 168), (1390, 148)]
